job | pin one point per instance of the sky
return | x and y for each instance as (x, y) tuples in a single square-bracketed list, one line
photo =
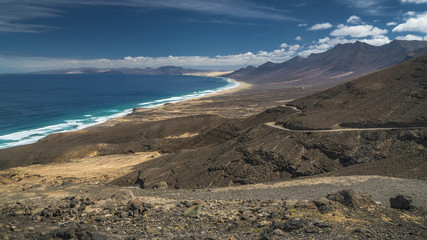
[(201, 34)]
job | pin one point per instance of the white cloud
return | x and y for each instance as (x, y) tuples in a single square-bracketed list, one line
[(29, 64), (298, 38), (357, 31), (325, 44), (416, 23), (320, 26), (292, 48), (302, 25), (410, 14), (413, 1), (376, 41), (354, 19), (411, 37), (391, 23)]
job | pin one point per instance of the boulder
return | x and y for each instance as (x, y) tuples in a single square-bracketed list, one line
[(351, 198), (401, 202)]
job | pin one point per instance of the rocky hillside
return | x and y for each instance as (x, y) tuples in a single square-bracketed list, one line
[(392, 97), (344, 61), (249, 151)]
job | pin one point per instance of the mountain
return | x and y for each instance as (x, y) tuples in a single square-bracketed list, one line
[(250, 151), (166, 70), (344, 61), (416, 53), (393, 97)]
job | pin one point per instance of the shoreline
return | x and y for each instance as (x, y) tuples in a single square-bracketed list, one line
[(127, 118), (107, 120)]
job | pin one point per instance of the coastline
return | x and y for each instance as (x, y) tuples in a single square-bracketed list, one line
[(25, 137), (167, 110)]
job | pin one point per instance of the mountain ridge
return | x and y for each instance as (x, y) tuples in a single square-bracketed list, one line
[(168, 70), (344, 61)]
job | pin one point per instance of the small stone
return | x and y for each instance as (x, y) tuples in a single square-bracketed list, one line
[(136, 206), (363, 232), (323, 205), (70, 198), (293, 224), (311, 230), (278, 225), (401, 202), (124, 214), (322, 225), (57, 212), (37, 219), (278, 232), (46, 213), (87, 202), (263, 223), (161, 185), (147, 205), (246, 215)]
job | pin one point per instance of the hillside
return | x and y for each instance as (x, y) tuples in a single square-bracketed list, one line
[(344, 61), (392, 97), (249, 151)]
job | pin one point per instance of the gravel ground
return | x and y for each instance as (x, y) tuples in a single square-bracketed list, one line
[(284, 210), (380, 188)]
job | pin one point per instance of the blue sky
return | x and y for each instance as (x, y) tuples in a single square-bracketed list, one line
[(202, 34)]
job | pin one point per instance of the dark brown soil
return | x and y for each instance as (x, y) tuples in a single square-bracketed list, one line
[(392, 97)]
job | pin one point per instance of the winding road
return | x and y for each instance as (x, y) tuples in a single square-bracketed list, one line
[(273, 125)]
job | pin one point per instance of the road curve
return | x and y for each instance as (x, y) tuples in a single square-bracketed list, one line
[(272, 124)]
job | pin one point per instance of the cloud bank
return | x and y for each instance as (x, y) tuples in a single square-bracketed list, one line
[(357, 31), (227, 62), (416, 23)]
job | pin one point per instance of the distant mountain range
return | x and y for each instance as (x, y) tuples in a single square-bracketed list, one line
[(344, 61), (168, 70)]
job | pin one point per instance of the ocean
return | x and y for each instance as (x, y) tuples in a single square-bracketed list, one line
[(33, 106)]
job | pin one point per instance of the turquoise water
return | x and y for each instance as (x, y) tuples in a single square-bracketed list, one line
[(33, 106)]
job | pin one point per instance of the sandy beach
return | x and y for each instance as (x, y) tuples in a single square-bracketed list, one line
[(181, 108)]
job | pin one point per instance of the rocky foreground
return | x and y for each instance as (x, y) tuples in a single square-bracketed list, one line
[(65, 210)]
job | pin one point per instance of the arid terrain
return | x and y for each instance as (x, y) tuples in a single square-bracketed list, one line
[(262, 162)]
